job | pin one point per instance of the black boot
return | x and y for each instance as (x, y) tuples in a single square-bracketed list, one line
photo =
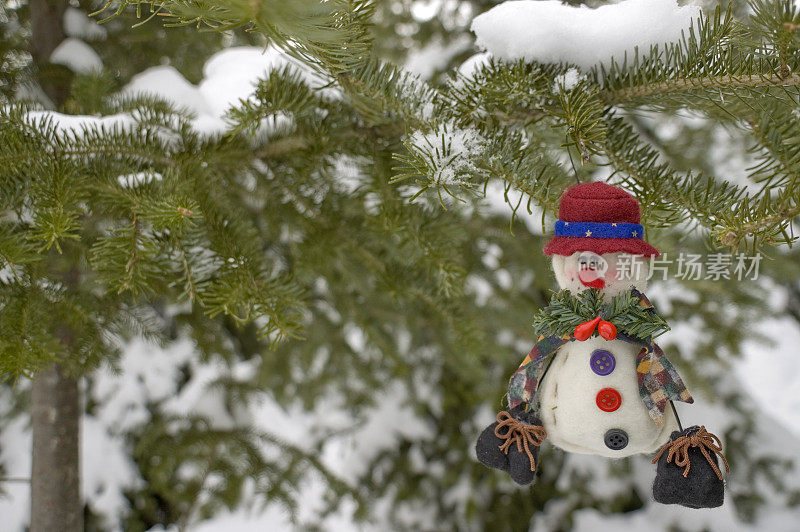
[(509, 444), (685, 474), (488, 449), (519, 464)]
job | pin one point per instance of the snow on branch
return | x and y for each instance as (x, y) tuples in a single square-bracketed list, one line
[(551, 32), (442, 158)]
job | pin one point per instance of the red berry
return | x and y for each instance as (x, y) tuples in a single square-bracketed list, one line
[(585, 329), (607, 330)]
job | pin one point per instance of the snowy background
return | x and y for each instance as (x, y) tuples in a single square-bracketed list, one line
[(769, 373)]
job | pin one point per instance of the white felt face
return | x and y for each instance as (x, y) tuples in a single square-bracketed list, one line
[(613, 273)]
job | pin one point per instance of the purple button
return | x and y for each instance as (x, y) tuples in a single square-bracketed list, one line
[(602, 362)]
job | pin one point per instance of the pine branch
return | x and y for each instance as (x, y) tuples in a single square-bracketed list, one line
[(566, 311), (769, 225), (641, 92), (382, 93), (282, 147), (329, 34), (729, 211)]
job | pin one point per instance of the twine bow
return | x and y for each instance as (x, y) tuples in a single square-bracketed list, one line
[(520, 433), (679, 450)]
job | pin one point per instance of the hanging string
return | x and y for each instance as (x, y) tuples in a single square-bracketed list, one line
[(678, 419), (569, 152)]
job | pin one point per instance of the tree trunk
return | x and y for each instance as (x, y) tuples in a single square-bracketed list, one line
[(55, 480), (47, 32), (55, 398), (47, 27)]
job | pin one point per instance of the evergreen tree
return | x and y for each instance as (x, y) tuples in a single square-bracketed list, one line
[(330, 248)]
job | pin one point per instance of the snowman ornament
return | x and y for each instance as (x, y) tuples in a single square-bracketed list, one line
[(596, 382)]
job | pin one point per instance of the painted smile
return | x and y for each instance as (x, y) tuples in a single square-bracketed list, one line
[(591, 279)]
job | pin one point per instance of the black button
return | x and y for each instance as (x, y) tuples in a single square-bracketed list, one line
[(616, 439)]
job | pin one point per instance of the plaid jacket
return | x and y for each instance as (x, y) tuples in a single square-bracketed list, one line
[(659, 382)]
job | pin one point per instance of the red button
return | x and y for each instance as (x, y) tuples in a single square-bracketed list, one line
[(608, 399)]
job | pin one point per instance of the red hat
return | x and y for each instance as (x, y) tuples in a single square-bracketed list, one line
[(599, 218)]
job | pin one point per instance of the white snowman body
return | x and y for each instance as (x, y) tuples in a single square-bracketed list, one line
[(569, 401), (589, 398)]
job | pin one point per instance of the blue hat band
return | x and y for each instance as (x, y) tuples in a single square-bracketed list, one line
[(599, 230)]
